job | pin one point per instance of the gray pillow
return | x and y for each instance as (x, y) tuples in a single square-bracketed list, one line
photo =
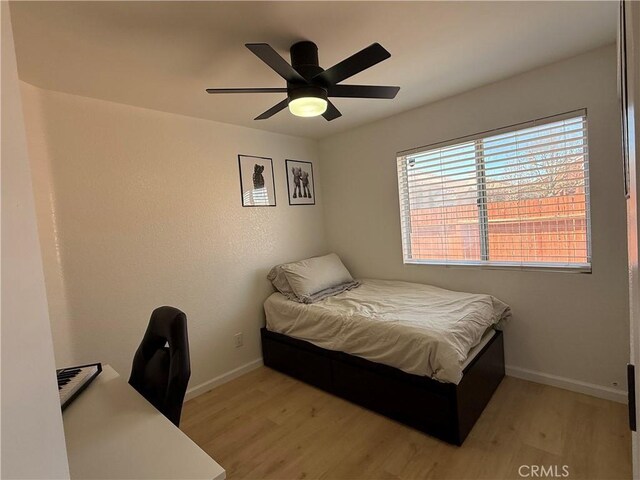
[(313, 275), (328, 270), (279, 280), (331, 291)]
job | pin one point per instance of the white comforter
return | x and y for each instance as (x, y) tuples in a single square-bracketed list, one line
[(419, 329)]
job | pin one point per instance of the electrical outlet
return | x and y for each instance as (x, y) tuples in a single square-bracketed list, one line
[(238, 338)]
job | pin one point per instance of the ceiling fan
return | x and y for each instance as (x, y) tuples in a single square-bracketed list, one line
[(309, 86)]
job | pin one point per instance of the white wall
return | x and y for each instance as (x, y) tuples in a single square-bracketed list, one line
[(32, 436), (143, 209), (139, 208), (572, 326)]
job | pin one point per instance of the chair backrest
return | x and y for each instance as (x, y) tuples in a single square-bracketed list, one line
[(160, 373)]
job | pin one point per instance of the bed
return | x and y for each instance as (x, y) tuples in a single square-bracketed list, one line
[(428, 357)]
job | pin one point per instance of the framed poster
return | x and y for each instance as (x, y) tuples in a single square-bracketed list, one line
[(300, 183), (257, 183)]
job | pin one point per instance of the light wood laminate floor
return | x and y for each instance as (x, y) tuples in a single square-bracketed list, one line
[(265, 425)]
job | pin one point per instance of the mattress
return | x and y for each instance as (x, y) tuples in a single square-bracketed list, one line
[(420, 329)]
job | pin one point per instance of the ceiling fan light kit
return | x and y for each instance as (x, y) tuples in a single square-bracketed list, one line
[(308, 101), (309, 86)]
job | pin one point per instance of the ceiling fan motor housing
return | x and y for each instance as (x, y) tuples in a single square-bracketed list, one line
[(304, 58)]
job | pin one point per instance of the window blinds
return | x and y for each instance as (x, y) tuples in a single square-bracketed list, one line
[(517, 196)]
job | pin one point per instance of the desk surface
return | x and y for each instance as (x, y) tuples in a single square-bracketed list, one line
[(112, 432)]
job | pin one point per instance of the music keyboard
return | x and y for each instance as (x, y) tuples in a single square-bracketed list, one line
[(73, 380)]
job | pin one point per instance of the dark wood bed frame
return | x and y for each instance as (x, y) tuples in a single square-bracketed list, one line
[(444, 410)]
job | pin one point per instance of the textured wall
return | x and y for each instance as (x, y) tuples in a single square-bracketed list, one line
[(144, 210), (574, 326), (32, 435), (139, 208)]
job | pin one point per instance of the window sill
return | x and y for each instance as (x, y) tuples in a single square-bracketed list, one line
[(546, 267)]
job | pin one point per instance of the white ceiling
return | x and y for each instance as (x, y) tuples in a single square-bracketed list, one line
[(162, 55)]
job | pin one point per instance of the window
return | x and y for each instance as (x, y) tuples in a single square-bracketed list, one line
[(517, 196)]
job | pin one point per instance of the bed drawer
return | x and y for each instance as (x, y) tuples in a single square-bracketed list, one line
[(444, 410), (304, 364), (394, 398)]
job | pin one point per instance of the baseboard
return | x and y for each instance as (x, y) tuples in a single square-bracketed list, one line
[(599, 391), (224, 378)]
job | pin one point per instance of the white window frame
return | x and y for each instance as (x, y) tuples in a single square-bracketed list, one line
[(405, 220)]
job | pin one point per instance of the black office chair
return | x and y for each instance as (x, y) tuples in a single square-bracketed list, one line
[(160, 373)]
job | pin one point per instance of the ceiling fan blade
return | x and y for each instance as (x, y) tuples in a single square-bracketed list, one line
[(356, 63), (332, 112), (363, 91), (268, 55), (273, 110), (246, 90)]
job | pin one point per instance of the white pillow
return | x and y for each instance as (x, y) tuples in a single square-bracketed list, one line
[(313, 275)]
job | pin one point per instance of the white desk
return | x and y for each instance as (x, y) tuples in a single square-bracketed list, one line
[(112, 432)]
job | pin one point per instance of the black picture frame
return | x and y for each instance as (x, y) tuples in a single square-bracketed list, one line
[(250, 196), (297, 188)]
